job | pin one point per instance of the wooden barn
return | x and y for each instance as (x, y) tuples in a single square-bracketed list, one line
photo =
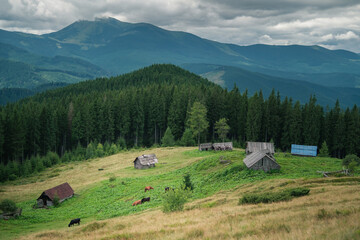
[(205, 147), (303, 150), (223, 146), (145, 161), (261, 160), (252, 147), (63, 191)]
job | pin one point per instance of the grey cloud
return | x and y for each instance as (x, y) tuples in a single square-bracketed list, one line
[(241, 22)]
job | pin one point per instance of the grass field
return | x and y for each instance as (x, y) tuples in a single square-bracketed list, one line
[(331, 211)]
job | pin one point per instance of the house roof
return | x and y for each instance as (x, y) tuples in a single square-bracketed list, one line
[(254, 157), (62, 191), (303, 150), (147, 159), (229, 144), (260, 146), (206, 145)]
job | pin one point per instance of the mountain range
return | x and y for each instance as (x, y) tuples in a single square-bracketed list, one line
[(106, 46)]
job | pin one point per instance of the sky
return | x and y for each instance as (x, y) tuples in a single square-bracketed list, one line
[(334, 24)]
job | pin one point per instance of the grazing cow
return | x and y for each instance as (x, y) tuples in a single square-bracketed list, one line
[(148, 188), (76, 220), (145, 200), (137, 202), (167, 189)]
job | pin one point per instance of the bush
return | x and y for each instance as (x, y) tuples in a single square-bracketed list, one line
[(298, 192), (187, 138), (187, 182), (274, 196), (175, 200), (53, 158), (349, 158), (352, 166), (264, 198), (8, 206), (56, 200), (100, 150)]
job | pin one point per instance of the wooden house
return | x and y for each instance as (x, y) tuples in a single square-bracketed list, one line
[(223, 146), (252, 147), (205, 147), (303, 150), (261, 160), (145, 161), (63, 192)]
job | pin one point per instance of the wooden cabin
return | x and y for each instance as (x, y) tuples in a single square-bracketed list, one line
[(145, 161), (63, 192), (252, 147), (205, 147), (261, 160), (226, 146)]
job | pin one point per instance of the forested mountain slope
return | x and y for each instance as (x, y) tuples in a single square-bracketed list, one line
[(135, 109)]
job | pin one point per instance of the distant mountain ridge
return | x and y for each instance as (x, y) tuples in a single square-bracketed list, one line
[(107, 46)]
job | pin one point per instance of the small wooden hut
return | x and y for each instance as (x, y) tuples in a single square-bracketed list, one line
[(223, 146), (63, 192), (205, 147), (303, 150), (261, 160), (252, 147), (145, 161)]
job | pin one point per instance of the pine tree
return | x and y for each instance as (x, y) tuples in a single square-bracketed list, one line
[(324, 151), (197, 120), (168, 139), (254, 118), (187, 139), (222, 128)]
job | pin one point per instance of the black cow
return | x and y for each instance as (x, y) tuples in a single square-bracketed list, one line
[(169, 188), (76, 220), (145, 200)]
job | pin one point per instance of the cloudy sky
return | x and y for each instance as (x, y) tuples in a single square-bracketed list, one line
[(334, 24)]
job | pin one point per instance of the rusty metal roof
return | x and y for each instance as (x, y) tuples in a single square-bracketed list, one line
[(62, 191)]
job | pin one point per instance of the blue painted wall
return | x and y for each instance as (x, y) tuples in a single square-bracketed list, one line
[(304, 150)]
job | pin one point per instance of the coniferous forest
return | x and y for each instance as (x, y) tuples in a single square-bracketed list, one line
[(101, 116)]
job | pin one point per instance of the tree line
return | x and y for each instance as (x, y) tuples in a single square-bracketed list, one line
[(135, 110)]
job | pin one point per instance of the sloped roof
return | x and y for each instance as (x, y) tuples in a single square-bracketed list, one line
[(206, 145), (62, 191), (260, 146), (147, 159), (254, 157), (228, 144)]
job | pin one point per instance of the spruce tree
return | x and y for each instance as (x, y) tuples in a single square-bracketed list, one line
[(324, 151), (197, 120), (187, 138), (168, 139), (222, 128)]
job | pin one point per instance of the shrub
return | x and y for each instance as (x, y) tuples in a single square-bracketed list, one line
[(8, 205), (298, 192), (273, 196), (56, 200), (175, 200), (187, 138), (53, 158), (264, 198), (112, 178), (187, 182), (352, 166), (349, 158)]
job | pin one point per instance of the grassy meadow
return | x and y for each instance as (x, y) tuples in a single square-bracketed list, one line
[(104, 197)]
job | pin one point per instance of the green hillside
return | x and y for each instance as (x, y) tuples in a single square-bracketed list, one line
[(22, 69), (98, 198)]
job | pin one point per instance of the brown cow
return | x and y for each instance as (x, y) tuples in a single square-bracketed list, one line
[(148, 188), (136, 202)]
